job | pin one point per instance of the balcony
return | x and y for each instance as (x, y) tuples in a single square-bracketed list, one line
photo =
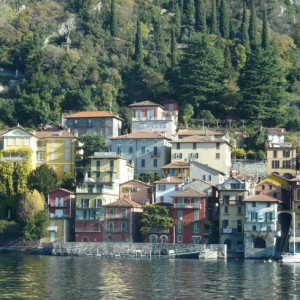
[(52, 228), (116, 230), (186, 205), (155, 153), (43, 149), (87, 229), (116, 216)]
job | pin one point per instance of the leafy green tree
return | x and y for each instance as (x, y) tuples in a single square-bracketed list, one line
[(253, 26), (265, 43), (201, 74), (200, 16), (224, 20), (42, 179), (244, 28), (155, 216), (263, 88), (68, 181), (188, 12), (214, 28), (138, 52), (126, 114), (89, 144), (9, 230), (113, 18), (187, 113)]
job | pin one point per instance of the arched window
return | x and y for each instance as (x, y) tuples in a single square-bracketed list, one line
[(153, 239), (164, 239)]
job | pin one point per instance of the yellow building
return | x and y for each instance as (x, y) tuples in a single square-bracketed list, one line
[(55, 148)]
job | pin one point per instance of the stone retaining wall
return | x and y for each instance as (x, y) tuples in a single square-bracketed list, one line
[(132, 249)]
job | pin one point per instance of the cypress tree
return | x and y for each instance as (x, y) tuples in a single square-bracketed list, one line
[(224, 20), (188, 12), (177, 20), (244, 29), (173, 49), (228, 61), (113, 20), (265, 43), (253, 27), (138, 53), (200, 16), (214, 18)]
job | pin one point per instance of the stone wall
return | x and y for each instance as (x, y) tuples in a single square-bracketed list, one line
[(250, 167), (133, 249)]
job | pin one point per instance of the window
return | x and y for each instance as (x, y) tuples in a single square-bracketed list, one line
[(143, 141), (123, 227), (239, 226), (67, 155), (180, 228), (119, 150), (268, 204), (196, 215), (143, 149), (270, 187), (143, 125), (52, 155), (217, 155), (26, 142), (176, 187), (194, 146), (161, 199), (253, 215), (9, 141), (130, 150), (161, 187), (253, 204), (66, 168), (268, 216), (125, 189), (75, 123), (178, 155), (179, 238), (90, 123), (177, 146), (286, 153), (239, 210), (275, 164), (111, 226), (226, 199), (196, 228), (133, 189), (193, 155), (298, 194), (286, 164), (143, 163), (225, 209), (274, 195), (225, 223), (67, 143), (98, 164), (98, 203), (85, 203), (254, 228), (206, 177), (217, 146), (275, 154), (119, 142), (180, 214), (131, 142), (17, 142), (155, 163), (262, 187)]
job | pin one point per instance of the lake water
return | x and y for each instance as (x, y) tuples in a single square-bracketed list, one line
[(48, 277)]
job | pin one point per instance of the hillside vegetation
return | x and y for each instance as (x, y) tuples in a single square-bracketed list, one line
[(221, 60)]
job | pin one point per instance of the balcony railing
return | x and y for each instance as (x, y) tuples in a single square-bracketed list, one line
[(88, 229), (116, 216), (186, 205), (112, 230)]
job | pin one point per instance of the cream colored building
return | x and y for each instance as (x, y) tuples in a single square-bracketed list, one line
[(208, 150)]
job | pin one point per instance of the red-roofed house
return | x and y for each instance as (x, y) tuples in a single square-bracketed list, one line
[(122, 219), (260, 225)]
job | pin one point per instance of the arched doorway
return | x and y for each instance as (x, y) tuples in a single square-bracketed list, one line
[(259, 243), (164, 239), (85, 239)]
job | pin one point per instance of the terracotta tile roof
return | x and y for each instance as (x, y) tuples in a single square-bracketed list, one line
[(124, 203), (133, 181), (189, 193), (53, 134), (261, 198), (200, 139), (176, 165), (145, 103), (201, 132), (278, 131), (171, 179), (64, 190), (92, 114), (140, 135)]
